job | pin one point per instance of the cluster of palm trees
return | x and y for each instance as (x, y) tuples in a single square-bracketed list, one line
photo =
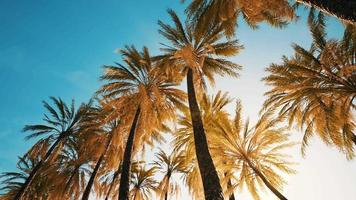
[(97, 149)]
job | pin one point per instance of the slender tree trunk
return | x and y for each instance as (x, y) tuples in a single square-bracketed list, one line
[(265, 181), (70, 179), (124, 188), (92, 178), (166, 192), (35, 170), (96, 169), (116, 174), (342, 9), (229, 185), (209, 176)]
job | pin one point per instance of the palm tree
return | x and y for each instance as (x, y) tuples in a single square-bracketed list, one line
[(143, 183), (212, 109), (42, 186), (254, 153), (112, 181), (63, 122), (275, 12), (344, 9), (112, 178), (105, 140), (316, 88), (71, 166), (138, 91), (198, 56), (169, 165)]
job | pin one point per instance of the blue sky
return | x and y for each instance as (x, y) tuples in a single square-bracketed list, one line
[(57, 48)]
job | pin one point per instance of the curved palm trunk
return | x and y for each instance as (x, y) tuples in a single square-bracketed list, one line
[(166, 193), (70, 179), (342, 9), (92, 178), (116, 175), (209, 176), (35, 170), (95, 171), (124, 188), (229, 185), (265, 181)]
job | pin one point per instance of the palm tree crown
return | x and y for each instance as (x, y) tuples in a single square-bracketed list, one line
[(169, 165), (316, 88), (137, 91), (253, 154), (226, 12)]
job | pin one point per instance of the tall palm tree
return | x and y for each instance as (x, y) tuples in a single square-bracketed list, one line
[(141, 94), (143, 183), (212, 109), (198, 56), (105, 140), (42, 186), (112, 179), (275, 12), (316, 88), (169, 165), (343, 9), (63, 122), (254, 153), (71, 167)]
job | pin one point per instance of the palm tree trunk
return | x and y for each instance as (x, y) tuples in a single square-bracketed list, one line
[(209, 176), (96, 169), (35, 170), (229, 185), (124, 187), (92, 178), (265, 181), (342, 9), (116, 174), (71, 179)]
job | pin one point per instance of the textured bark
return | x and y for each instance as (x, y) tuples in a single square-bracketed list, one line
[(124, 188), (96, 169), (342, 9), (209, 176), (265, 181), (35, 170)]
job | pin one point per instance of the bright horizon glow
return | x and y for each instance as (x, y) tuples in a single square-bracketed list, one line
[(55, 48)]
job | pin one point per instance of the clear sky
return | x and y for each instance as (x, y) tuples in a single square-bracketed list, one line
[(57, 48)]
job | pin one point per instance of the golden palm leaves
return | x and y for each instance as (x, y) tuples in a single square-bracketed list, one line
[(244, 155), (252, 156), (138, 82), (203, 53), (143, 183), (169, 165), (276, 12), (315, 88)]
